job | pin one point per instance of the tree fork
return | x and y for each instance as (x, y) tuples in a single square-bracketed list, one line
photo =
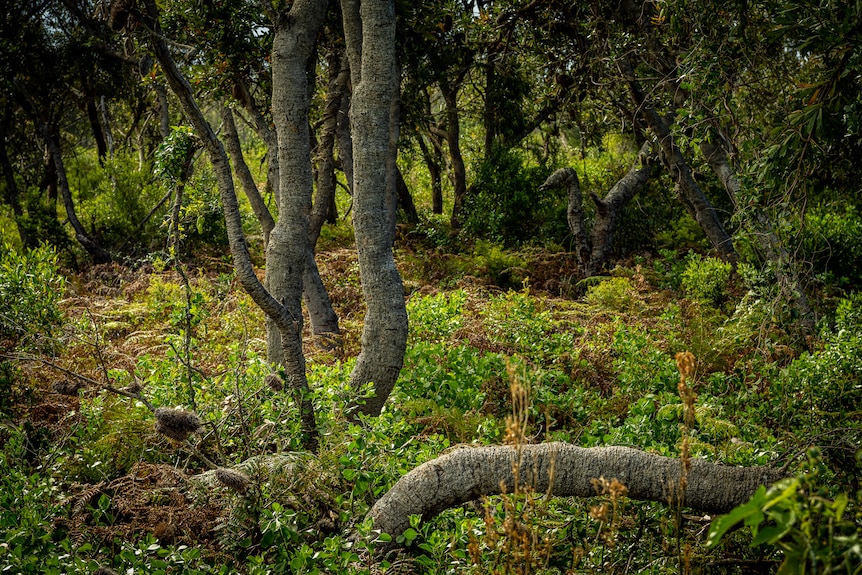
[(563, 470)]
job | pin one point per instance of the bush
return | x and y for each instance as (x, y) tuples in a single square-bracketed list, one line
[(706, 279), (834, 242), (30, 288)]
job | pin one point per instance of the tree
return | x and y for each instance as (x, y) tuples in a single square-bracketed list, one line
[(561, 470), (593, 251), (373, 69), (295, 32)]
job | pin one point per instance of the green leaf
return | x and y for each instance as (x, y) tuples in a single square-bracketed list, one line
[(724, 523)]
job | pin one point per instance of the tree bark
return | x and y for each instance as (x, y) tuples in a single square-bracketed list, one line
[(384, 335), (562, 470), (284, 317), (593, 251), (693, 197), (96, 251), (609, 208), (760, 225), (453, 140), (240, 167)]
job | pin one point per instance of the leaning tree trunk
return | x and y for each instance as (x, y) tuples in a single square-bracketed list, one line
[(764, 233), (384, 335), (609, 208), (562, 470), (283, 316), (691, 195), (99, 254)]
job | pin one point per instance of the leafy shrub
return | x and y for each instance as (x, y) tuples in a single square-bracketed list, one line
[(706, 279), (814, 530), (615, 294), (834, 242), (506, 205), (436, 317), (30, 288), (116, 195), (822, 389)]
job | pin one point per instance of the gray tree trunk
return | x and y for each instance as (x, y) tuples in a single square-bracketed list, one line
[(760, 226), (691, 195), (593, 251), (283, 316), (384, 335), (562, 470), (258, 205), (288, 251)]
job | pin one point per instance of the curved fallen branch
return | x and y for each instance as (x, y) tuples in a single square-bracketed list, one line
[(470, 473)]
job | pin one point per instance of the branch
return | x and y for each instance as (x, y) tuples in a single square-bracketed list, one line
[(562, 470)]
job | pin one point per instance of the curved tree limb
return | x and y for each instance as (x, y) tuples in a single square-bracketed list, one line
[(691, 194), (563, 470)]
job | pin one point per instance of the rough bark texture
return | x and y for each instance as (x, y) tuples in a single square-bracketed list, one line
[(593, 250), (288, 323), (693, 197), (287, 252), (384, 335), (567, 178), (761, 228), (562, 470)]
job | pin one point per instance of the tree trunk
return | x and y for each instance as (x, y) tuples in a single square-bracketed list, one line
[(405, 200), (574, 212), (288, 251), (13, 195), (283, 316), (433, 161), (240, 167), (593, 251), (384, 335), (760, 225), (453, 140), (609, 208), (694, 199), (561, 470), (96, 251), (96, 128)]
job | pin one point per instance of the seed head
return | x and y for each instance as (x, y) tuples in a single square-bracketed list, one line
[(274, 381), (231, 478), (66, 387), (176, 423)]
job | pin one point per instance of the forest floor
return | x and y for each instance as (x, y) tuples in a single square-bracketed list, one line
[(596, 355)]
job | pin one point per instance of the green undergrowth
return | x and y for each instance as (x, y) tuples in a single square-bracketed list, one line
[(598, 370)]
